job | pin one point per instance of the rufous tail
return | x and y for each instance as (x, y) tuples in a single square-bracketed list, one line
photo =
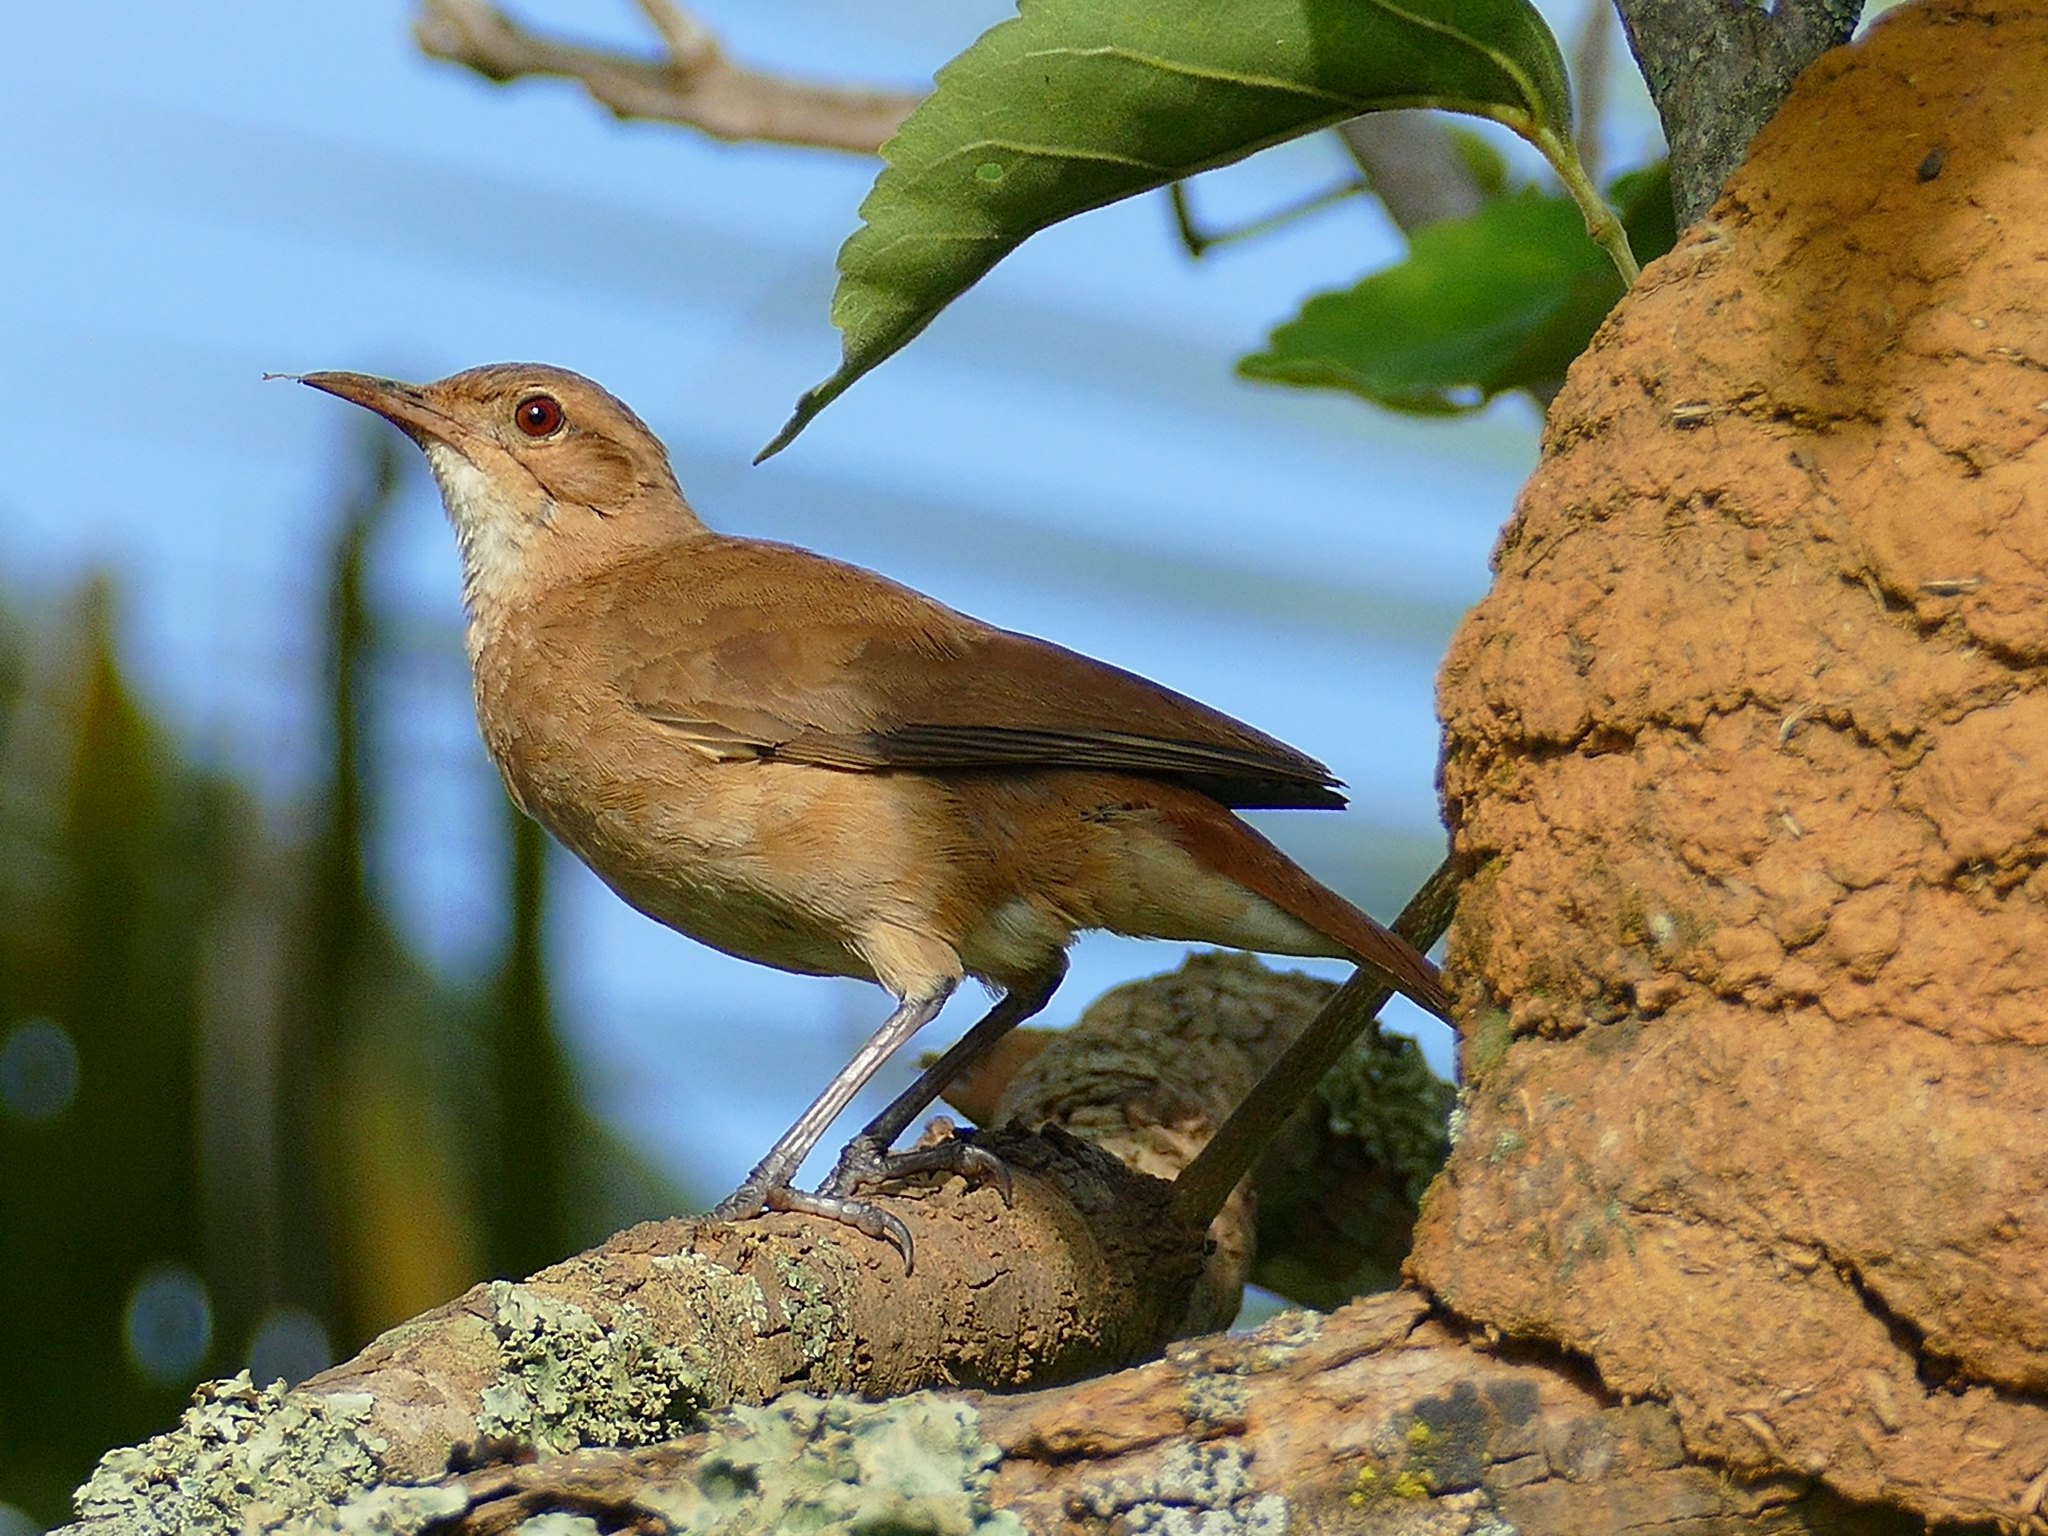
[(1225, 844)]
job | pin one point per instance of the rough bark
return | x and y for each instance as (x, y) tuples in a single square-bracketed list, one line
[(1748, 748), (1718, 69), (1087, 1271), (1376, 1419)]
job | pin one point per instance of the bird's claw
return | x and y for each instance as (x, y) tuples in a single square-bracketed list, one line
[(752, 1198), (868, 1219), (865, 1164)]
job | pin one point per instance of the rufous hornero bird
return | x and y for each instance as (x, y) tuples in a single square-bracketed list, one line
[(803, 764)]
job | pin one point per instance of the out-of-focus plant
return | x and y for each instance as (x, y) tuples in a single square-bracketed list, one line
[(242, 1122)]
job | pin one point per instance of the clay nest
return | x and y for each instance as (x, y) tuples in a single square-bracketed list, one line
[(1748, 760)]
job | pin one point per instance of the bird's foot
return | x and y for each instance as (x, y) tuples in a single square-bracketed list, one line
[(758, 1195), (866, 1163), (871, 1220)]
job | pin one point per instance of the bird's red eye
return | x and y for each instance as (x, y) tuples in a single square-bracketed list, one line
[(538, 415)]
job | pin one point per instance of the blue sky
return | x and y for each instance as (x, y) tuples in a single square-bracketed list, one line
[(199, 194)]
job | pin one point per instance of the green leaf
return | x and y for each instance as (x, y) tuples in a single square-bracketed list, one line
[(1077, 103), (1503, 299)]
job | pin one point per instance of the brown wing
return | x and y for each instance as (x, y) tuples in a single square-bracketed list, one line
[(763, 650)]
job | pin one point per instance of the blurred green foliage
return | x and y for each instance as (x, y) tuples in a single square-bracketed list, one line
[(1503, 299), (241, 1120)]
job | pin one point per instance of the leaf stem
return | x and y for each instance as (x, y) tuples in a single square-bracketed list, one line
[(1602, 223)]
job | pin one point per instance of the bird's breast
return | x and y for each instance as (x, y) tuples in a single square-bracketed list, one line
[(784, 864)]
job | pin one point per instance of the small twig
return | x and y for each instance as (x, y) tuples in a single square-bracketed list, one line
[(696, 85), (1203, 1186), (1407, 159), (690, 44), (1200, 241)]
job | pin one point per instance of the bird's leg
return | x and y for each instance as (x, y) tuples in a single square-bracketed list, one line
[(767, 1187), (867, 1158)]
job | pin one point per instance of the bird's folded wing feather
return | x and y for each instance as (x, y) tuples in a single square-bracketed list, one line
[(762, 650)]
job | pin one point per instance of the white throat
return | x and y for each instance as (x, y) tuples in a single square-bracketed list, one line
[(492, 531)]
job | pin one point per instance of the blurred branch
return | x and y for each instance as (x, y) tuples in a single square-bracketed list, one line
[(690, 45), (694, 84), (1592, 51), (1411, 160)]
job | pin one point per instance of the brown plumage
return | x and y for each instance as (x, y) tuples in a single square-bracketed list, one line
[(807, 765)]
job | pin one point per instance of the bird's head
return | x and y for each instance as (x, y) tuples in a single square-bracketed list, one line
[(541, 470)]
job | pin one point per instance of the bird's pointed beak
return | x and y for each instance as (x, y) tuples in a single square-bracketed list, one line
[(405, 406)]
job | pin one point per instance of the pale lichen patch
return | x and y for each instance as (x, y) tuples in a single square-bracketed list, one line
[(1196, 1490), (810, 1303), (557, 1522), (241, 1458), (1280, 1337), (709, 1289), (566, 1380), (916, 1463), (396, 1509), (1218, 1400)]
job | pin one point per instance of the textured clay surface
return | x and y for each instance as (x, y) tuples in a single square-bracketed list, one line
[(1748, 752)]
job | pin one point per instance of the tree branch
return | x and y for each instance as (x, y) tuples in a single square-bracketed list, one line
[(1379, 1418), (1409, 159), (1337, 1185), (1089, 1270), (696, 85), (1592, 49), (1718, 69)]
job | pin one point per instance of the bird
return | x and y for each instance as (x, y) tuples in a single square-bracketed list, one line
[(802, 763)]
